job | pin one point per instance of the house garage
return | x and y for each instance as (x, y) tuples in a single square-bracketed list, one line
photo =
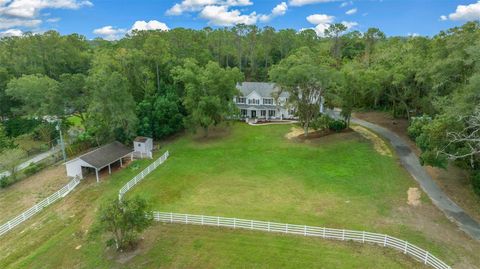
[(99, 159)]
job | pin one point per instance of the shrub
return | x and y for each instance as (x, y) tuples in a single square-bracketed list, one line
[(321, 122), (415, 128), (4, 182), (33, 168), (476, 182), (18, 126), (337, 125)]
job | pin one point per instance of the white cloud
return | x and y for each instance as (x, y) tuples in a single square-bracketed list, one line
[(348, 3), (222, 16), (278, 10), (299, 3), (110, 33), (350, 24), (464, 13), (11, 32), (6, 23), (413, 34), (51, 20), (198, 5), (351, 11), (31, 8), (320, 18), (151, 25), (27, 13), (323, 21)]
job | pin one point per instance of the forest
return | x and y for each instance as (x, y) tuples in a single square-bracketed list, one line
[(157, 83)]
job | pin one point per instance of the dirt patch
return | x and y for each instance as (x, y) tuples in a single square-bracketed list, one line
[(294, 133), (378, 144), (414, 195)]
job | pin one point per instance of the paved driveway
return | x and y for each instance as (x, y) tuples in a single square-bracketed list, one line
[(35, 159), (411, 162)]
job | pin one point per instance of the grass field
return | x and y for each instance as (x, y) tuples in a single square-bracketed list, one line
[(249, 172)]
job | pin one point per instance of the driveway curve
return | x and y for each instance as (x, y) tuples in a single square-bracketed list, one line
[(411, 162)]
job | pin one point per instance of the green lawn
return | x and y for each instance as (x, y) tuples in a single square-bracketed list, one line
[(249, 172)]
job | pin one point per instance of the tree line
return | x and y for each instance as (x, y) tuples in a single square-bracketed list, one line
[(155, 83)]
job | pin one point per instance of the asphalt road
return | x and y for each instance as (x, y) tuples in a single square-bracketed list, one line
[(35, 159)]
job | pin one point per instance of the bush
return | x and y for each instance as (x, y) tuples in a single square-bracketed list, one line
[(415, 128), (476, 182), (4, 182), (33, 168), (18, 126), (321, 122), (337, 125)]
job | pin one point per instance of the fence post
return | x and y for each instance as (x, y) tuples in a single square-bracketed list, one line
[(406, 248), (218, 221), (363, 237), (385, 241), (323, 232), (171, 217), (305, 230), (268, 226), (202, 219), (343, 234), (186, 219), (251, 224), (426, 257)]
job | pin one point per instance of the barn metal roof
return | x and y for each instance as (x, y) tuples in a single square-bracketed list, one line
[(106, 154)]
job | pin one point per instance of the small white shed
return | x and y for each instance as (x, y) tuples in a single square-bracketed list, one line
[(98, 159), (143, 147)]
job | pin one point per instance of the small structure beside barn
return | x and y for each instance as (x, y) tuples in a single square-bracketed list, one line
[(98, 159), (143, 147)]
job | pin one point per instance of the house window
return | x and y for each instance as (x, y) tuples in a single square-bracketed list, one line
[(268, 101), (243, 112), (263, 113), (271, 113), (253, 101), (241, 100)]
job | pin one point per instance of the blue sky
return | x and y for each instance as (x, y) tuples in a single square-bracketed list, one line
[(111, 19)]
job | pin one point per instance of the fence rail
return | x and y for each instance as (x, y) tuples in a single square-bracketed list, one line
[(134, 181), (328, 233), (39, 207)]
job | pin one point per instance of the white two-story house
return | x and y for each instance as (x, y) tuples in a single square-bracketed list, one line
[(256, 101)]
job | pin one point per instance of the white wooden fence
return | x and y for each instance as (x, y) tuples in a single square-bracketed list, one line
[(328, 233), (142, 175), (39, 207)]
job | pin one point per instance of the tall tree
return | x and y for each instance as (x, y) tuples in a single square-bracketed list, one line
[(209, 92)]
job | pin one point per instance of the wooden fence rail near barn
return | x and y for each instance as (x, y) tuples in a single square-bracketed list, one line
[(39, 207), (328, 233), (142, 175)]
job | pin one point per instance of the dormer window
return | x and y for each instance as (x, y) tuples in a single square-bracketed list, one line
[(253, 101), (241, 100), (268, 101)]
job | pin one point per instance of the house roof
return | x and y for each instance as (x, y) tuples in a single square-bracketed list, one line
[(141, 139), (264, 89), (106, 154)]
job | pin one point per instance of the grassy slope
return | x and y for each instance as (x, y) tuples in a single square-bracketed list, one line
[(251, 173)]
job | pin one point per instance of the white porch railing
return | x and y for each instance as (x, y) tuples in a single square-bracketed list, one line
[(142, 175), (327, 233)]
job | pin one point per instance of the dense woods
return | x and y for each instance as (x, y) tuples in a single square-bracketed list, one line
[(155, 83)]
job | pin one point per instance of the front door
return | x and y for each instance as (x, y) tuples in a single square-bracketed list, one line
[(254, 113)]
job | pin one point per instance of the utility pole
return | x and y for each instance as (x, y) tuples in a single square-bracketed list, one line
[(62, 144)]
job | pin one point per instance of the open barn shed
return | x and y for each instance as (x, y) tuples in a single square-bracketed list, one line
[(99, 159)]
